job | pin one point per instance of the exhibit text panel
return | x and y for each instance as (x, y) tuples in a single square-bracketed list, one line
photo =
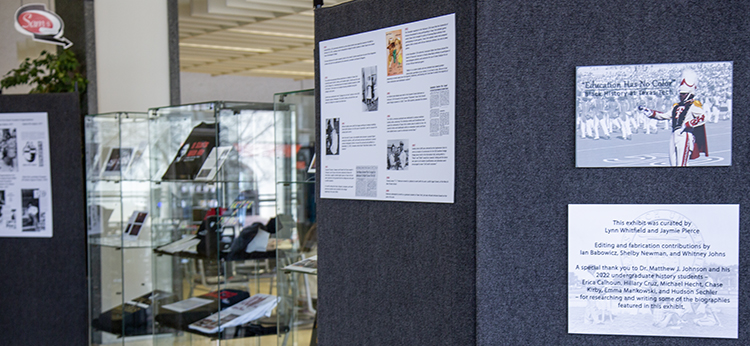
[(659, 270), (388, 113)]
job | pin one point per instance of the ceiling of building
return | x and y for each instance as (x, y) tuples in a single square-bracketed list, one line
[(265, 38)]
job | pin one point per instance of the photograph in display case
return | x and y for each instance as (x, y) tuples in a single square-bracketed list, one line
[(308, 266), (660, 115), (118, 161), (98, 219), (213, 163), (135, 224)]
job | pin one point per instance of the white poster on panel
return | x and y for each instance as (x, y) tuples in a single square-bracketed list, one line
[(388, 113), (25, 181), (657, 270)]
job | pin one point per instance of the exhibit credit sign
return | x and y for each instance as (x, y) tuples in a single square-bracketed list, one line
[(42, 25), (388, 113), (25, 179), (656, 270)]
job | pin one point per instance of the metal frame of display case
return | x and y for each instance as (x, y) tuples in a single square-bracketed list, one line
[(295, 202)]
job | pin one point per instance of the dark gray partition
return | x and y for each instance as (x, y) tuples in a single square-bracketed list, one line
[(526, 175), (403, 273), (44, 280), (397, 273)]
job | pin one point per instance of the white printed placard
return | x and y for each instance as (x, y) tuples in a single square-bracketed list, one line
[(25, 180), (388, 113), (656, 270)]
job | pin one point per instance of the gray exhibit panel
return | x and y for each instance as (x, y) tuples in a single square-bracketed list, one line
[(402, 273), (44, 279), (399, 273), (527, 52)]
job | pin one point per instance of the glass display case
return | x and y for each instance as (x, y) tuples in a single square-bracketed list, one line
[(182, 230), (213, 225), (119, 259), (295, 205)]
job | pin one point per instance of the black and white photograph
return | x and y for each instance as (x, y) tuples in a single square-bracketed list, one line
[(370, 89), (398, 154), (9, 151), (2, 207), (332, 136), (118, 160), (29, 152), (32, 214), (660, 115)]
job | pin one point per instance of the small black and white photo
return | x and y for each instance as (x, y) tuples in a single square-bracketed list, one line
[(332, 136), (30, 210), (398, 154), (2, 207), (29, 152), (370, 89), (9, 151)]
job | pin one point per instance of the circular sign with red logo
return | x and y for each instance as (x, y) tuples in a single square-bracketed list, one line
[(45, 26), (39, 22)]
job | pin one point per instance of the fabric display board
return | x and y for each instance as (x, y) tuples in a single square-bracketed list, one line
[(534, 81), (44, 279), (414, 260)]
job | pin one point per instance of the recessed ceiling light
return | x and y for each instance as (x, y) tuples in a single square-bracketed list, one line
[(233, 48), (293, 73), (269, 33)]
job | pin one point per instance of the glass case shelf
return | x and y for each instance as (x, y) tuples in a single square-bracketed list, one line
[(118, 242)]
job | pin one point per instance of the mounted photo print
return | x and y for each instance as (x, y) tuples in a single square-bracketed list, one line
[(661, 115)]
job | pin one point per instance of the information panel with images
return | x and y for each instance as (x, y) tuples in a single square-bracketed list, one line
[(25, 180), (657, 270), (388, 113)]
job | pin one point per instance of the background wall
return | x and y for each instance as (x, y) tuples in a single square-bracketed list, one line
[(200, 87), (17, 46), (526, 175), (132, 55), (398, 273)]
